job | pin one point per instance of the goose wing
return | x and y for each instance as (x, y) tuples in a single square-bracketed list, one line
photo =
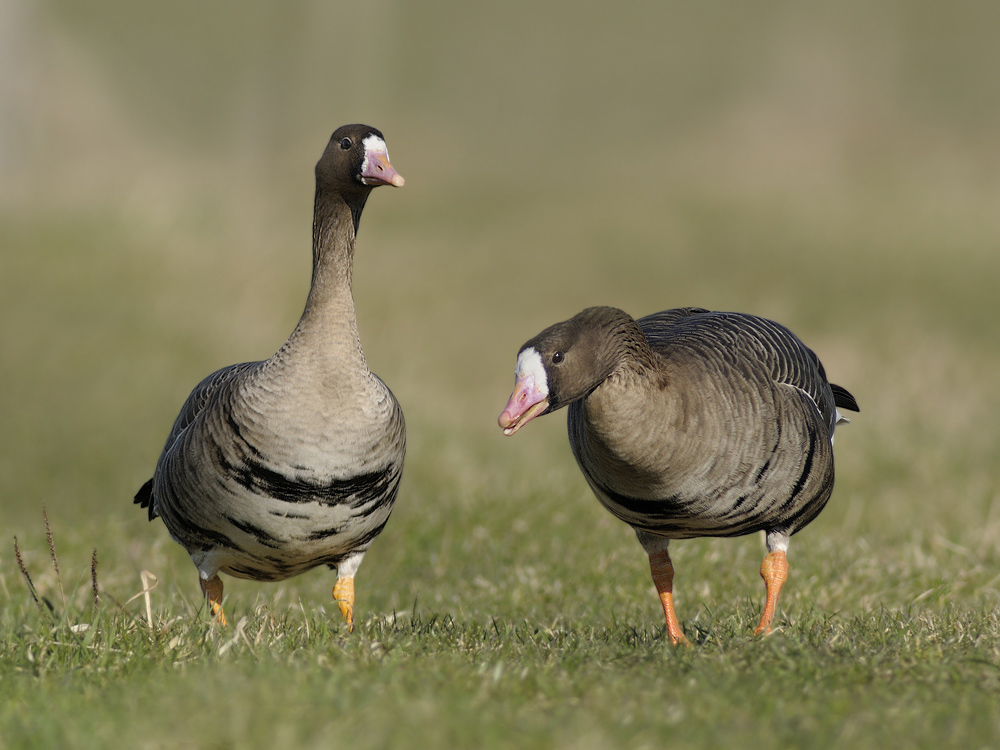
[(196, 402)]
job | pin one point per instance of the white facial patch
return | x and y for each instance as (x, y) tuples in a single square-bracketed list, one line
[(374, 145), (376, 169), (529, 371)]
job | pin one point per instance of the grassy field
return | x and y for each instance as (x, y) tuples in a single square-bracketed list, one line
[(834, 168)]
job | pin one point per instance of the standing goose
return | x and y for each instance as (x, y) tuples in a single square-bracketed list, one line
[(689, 423), (275, 467)]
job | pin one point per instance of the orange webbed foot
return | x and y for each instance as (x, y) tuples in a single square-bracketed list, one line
[(662, 571), (212, 589), (774, 571), (343, 594)]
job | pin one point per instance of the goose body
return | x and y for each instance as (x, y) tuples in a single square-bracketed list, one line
[(689, 423), (278, 466)]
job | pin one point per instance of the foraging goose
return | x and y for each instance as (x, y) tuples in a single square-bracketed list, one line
[(275, 467), (689, 423)]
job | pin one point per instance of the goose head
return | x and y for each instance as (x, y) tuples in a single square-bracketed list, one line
[(356, 161), (565, 363)]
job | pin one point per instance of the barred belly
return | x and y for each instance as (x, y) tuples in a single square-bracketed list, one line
[(271, 527), (729, 514)]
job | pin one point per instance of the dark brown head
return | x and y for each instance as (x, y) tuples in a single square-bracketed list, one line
[(355, 161), (566, 362)]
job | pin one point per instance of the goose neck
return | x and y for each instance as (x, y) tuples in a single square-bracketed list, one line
[(328, 324)]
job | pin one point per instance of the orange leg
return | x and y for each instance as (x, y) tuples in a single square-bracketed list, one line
[(663, 578), (774, 571), (343, 594), (212, 589)]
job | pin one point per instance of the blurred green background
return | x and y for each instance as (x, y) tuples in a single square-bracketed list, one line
[(833, 166)]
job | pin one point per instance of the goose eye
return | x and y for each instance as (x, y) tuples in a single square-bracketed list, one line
[(345, 143), (557, 358)]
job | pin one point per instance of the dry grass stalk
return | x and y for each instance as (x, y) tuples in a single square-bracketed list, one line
[(52, 552), (27, 577), (93, 578), (149, 582), (147, 579)]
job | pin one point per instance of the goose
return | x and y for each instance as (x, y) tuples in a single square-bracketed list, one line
[(689, 423), (275, 467)]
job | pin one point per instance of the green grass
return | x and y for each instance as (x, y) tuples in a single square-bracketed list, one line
[(831, 167), (291, 676)]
